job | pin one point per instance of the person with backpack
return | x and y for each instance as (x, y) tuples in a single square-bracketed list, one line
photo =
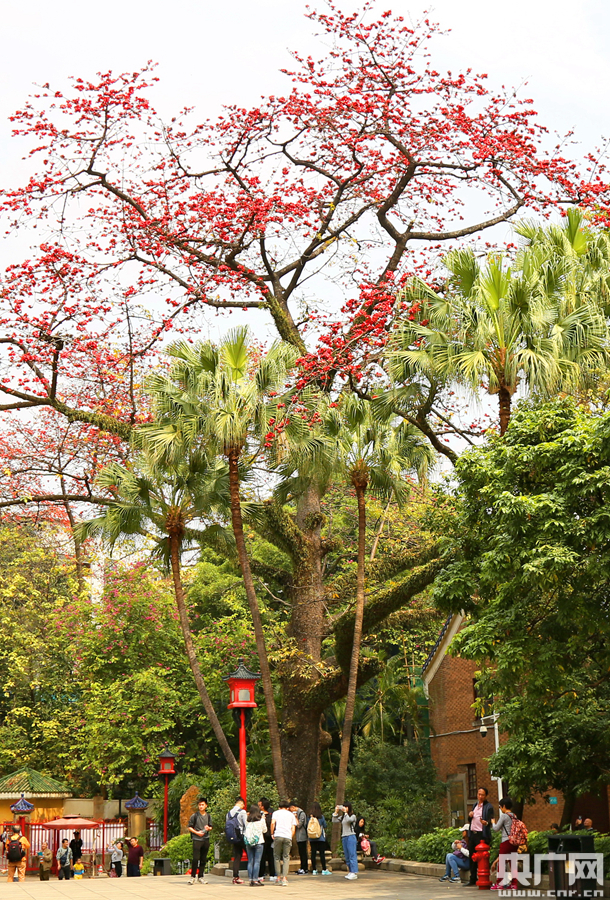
[(345, 815), (16, 848), (64, 861), (283, 827), (514, 836), (255, 842), (267, 860), (301, 836), (200, 825), (316, 832), (235, 825)]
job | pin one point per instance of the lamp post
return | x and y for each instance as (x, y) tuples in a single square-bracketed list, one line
[(166, 767), (493, 717), (242, 683)]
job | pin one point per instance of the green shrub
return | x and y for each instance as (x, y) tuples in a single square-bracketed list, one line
[(177, 849), (396, 788)]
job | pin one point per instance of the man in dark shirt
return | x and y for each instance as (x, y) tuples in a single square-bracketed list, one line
[(135, 856), (200, 825), (76, 846)]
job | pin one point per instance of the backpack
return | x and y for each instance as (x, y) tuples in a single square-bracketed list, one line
[(15, 850), (518, 833), (314, 829), (366, 846), (251, 835), (233, 829)]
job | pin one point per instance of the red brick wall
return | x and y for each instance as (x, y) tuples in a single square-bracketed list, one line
[(451, 695)]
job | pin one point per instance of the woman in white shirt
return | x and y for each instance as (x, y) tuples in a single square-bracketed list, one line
[(256, 827)]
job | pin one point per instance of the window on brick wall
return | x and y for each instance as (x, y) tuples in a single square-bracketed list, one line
[(471, 781)]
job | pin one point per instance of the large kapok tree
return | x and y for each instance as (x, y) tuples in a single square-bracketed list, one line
[(309, 210)]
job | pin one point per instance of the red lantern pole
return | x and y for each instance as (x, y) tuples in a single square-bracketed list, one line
[(243, 785), (165, 801)]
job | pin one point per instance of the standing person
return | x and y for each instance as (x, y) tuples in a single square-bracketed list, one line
[(255, 842), (76, 846), (235, 825), (316, 832), (480, 829), (135, 858), (200, 825), (267, 858), (16, 848), (64, 861), (345, 815), (283, 827), (301, 836), (46, 861), (116, 859), (504, 825), (364, 842)]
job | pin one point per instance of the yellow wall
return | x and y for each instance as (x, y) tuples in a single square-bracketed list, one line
[(39, 814)]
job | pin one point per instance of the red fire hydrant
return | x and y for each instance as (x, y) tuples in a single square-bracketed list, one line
[(481, 857)]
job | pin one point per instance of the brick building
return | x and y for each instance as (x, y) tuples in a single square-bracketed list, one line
[(460, 752)]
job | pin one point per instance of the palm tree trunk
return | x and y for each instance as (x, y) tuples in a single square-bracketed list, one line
[(350, 700), (244, 562), (192, 656), (505, 404)]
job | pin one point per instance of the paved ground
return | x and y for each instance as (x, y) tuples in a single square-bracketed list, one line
[(377, 885)]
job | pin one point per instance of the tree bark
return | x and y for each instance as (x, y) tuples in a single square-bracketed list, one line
[(360, 485), (505, 404), (244, 562), (192, 656), (301, 732), (568, 808)]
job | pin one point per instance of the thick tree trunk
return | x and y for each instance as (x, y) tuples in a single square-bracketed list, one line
[(238, 531), (505, 404), (301, 723), (568, 809), (360, 484), (192, 656)]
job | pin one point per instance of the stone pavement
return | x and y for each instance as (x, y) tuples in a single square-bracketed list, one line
[(371, 884)]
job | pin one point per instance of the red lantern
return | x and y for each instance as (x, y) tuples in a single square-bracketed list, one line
[(166, 763), (242, 683)]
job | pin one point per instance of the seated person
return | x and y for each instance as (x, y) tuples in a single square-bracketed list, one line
[(371, 846), (458, 857)]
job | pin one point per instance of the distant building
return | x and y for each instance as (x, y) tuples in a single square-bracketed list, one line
[(460, 753)]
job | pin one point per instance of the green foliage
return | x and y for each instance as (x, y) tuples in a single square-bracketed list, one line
[(395, 787), (37, 690), (177, 849), (532, 568)]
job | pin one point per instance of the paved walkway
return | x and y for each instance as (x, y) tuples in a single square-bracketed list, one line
[(377, 885)]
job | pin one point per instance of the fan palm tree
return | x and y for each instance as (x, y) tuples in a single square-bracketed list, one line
[(375, 458), (172, 506), (493, 326), (232, 398)]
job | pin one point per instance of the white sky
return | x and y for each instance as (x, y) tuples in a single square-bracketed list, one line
[(220, 52)]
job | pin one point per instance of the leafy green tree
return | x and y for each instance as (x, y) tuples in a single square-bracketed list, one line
[(37, 689), (395, 787), (532, 569)]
